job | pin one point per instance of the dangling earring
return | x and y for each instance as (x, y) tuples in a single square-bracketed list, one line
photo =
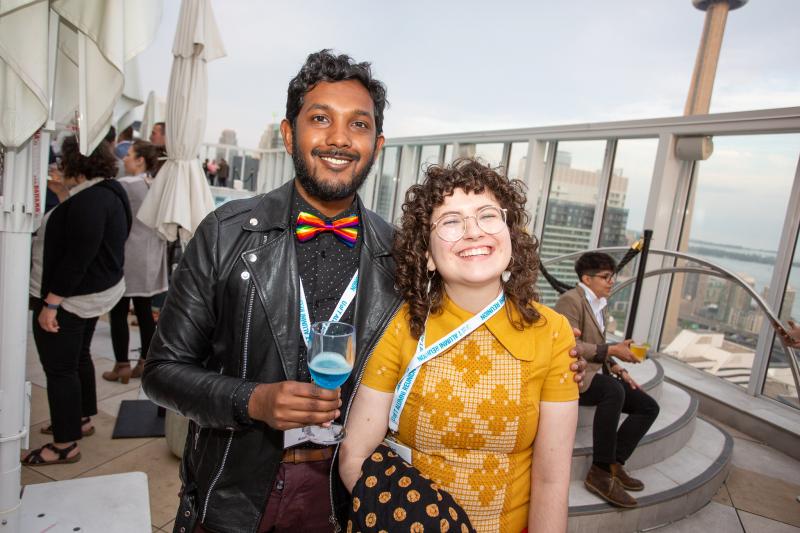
[(506, 275), (431, 273)]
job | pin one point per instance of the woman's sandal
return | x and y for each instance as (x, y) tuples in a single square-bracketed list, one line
[(34, 457), (48, 430)]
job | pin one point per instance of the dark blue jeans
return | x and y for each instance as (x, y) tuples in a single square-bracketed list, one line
[(68, 366)]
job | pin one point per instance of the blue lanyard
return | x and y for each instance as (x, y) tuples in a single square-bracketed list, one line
[(423, 355), (346, 299)]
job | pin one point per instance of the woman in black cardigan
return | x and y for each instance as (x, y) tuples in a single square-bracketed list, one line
[(76, 276)]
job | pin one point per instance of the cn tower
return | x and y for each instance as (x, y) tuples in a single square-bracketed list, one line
[(705, 67)]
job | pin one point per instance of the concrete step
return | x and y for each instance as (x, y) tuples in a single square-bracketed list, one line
[(674, 488), (648, 374), (668, 434)]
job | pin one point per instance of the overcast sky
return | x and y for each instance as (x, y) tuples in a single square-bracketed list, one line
[(463, 65)]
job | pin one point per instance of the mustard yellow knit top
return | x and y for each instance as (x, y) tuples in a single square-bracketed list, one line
[(472, 413)]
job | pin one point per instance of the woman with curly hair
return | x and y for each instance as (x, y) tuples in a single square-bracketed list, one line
[(472, 375)]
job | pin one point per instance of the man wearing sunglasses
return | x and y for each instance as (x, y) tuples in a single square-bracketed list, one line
[(612, 392)]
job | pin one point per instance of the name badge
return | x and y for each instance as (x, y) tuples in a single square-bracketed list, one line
[(399, 448), (293, 437)]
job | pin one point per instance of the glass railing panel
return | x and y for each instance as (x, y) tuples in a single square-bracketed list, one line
[(780, 384), (387, 182), (489, 153), (429, 155), (517, 161), (623, 220), (448, 154), (570, 207), (734, 220)]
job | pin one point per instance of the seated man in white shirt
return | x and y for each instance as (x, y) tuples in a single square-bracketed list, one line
[(612, 393)]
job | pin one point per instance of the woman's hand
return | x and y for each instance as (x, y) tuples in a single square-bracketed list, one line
[(47, 320)]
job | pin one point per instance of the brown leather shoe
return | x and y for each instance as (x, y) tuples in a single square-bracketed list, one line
[(121, 372), (608, 487), (138, 369), (627, 482)]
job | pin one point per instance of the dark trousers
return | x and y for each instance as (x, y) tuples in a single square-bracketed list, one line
[(68, 366), (300, 500), (611, 397), (120, 334)]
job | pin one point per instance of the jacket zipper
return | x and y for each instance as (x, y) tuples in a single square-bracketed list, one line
[(245, 347), (336, 526)]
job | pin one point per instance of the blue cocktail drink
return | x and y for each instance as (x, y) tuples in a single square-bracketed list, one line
[(330, 370), (331, 356)]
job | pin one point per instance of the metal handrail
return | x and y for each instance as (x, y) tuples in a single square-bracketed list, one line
[(711, 269)]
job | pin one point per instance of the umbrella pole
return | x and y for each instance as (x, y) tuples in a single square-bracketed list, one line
[(637, 289), (22, 197)]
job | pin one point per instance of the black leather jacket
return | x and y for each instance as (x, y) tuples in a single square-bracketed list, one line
[(232, 314)]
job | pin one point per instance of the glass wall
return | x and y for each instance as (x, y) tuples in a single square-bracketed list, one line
[(570, 208), (623, 219), (779, 384), (713, 324)]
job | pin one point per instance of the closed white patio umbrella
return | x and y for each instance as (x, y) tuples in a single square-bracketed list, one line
[(180, 198), (57, 57), (154, 111), (95, 40)]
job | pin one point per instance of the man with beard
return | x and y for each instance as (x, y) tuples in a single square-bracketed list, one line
[(229, 352)]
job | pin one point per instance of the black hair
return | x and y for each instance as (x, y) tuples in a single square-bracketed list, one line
[(100, 163), (325, 66), (593, 262), (126, 134), (111, 136)]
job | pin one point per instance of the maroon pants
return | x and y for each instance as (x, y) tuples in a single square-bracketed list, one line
[(300, 500)]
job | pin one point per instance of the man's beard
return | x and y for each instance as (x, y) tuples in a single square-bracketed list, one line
[(329, 191)]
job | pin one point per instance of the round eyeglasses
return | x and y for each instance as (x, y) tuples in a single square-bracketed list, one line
[(608, 277), (452, 226)]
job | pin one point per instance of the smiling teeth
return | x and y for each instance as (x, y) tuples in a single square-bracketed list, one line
[(475, 251), (336, 161)]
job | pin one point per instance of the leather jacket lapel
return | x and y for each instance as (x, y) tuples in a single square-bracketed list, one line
[(375, 277), (273, 267), (279, 292)]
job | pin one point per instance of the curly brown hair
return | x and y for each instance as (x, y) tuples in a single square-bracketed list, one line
[(409, 249), (100, 163)]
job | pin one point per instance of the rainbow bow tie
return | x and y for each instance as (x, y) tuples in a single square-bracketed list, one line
[(345, 229)]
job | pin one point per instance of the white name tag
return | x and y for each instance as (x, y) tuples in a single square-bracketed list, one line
[(399, 448), (293, 437)]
